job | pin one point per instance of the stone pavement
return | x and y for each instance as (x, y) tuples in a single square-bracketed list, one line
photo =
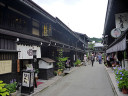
[(50, 82), (113, 82), (85, 81), (46, 83)]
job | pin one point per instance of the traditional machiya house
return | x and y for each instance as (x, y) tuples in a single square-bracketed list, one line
[(115, 31), (83, 45), (28, 34), (64, 38), (98, 48), (21, 33)]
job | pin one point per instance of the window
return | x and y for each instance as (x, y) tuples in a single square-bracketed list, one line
[(17, 22), (35, 27), (35, 31)]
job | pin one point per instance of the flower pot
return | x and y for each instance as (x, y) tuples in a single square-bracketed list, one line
[(124, 91), (59, 73), (13, 94), (120, 89)]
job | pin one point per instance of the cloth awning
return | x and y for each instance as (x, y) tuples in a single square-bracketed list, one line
[(120, 46)]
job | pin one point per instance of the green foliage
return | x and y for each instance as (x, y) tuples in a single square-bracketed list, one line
[(87, 55), (12, 87), (61, 60), (36, 70), (121, 77), (91, 45), (3, 90), (77, 62), (55, 73), (97, 40), (103, 56), (125, 55)]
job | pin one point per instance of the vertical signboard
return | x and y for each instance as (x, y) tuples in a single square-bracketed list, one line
[(26, 79), (46, 30), (18, 65)]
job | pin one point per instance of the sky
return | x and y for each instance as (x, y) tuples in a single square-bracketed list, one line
[(82, 16)]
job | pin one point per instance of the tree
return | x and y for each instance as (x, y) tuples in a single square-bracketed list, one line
[(61, 60), (91, 45)]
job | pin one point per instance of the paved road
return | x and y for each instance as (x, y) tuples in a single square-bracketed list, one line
[(85, 81)]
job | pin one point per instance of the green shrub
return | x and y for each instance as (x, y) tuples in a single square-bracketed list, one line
[(12, 86), (77, 62), (3, 90), (61, 60)]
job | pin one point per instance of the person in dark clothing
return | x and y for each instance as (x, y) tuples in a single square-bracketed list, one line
[(92, 59), (108, 61)]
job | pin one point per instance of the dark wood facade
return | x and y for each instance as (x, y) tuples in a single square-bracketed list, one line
[(33, 26), (116, 46)]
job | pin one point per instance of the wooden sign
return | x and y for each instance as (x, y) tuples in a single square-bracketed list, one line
[(47, 30), (26, 79), (18, 65)]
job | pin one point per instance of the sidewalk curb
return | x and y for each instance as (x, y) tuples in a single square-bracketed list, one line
[(111, 83)]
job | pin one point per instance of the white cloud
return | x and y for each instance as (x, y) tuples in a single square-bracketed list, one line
[(84, 16)]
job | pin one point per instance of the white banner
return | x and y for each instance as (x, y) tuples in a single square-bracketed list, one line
[(26, 52)]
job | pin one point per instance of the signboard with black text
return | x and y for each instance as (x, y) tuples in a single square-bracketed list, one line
[(26, 79), (121, 21)]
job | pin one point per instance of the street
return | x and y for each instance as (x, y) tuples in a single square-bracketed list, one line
[(85, 81)]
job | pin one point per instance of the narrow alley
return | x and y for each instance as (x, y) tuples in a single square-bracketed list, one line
[(85, 81)]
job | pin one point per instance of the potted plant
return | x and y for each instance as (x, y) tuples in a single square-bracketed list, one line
[(3, 89), (122, 79), (12, 87), (61, 62), (77, 63)]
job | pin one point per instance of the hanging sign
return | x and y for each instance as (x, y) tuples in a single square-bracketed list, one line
[(116, 33), (121, 21), (26, 52), (47, 30)]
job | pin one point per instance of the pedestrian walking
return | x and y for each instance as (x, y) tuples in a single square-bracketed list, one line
[(100, 59), (85, 60), (68, 64), (92, 59)]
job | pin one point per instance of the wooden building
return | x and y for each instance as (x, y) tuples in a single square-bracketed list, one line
[(115, 30), (98, 48), (27, 33)]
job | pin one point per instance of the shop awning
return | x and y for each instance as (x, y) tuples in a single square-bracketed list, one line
[(120, 46)]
